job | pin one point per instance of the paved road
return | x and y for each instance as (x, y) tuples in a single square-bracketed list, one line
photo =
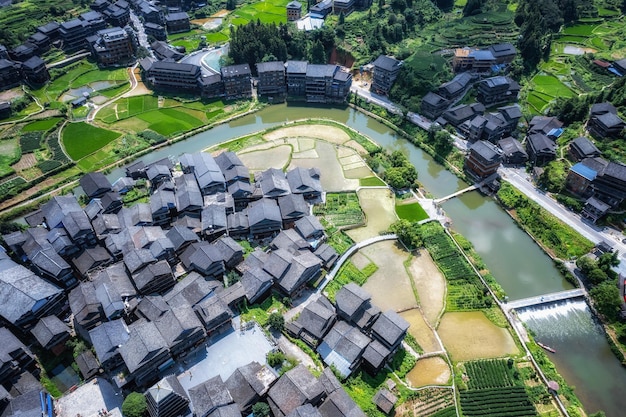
[(382, 101), (141, 33), (520, 180)]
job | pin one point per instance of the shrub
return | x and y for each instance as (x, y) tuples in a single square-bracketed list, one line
[(261, 409), (30, 142), (134, 405), (276, 321), (275, 359)]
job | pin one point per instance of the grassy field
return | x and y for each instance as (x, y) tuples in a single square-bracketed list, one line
[(371, 182), (9, 154), (412, 212), (81, 139), (44, 125), (135, 114)]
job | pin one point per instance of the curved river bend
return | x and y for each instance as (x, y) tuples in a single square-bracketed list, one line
[(516, 262)]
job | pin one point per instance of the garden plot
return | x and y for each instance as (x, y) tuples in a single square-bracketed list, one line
[(419, 329), (430, 285), (471, 335), (378, 204), (429, 371), (277, 157), (332, 174), (328, 133), (390, 285)]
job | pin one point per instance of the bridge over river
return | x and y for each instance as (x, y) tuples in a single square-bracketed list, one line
[(545, 299)]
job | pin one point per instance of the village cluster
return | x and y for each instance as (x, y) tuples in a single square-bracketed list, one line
[(149, 284)]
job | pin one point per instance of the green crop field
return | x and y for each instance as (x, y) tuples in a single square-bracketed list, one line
[(82, 139), (371, 182), (582, 30), (118, 74), (551, 85), (44, 125), (340, 209), (412, 212)]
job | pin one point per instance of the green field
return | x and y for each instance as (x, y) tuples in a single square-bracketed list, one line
[(44, 125), (169, 121), (267, 12), (582, 30), (371, 182), (412, 212), (81, 139)]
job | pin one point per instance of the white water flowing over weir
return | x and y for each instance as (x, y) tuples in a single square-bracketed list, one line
[(581, 351)]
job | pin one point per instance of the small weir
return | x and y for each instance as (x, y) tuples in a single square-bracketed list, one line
[(582, 355)]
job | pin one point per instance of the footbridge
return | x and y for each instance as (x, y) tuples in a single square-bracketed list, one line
[(545, 299), (463, 191)]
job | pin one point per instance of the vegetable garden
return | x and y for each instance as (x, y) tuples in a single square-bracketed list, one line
[(489, 374), (340, 209), (497, 402)]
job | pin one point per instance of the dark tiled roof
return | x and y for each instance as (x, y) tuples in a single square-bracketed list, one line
[(236, 71), (144, 343), (248, 383), (295, 388), (209, 395), (270, 66), (339, 404), (390, 327), (297, 67), (387, 63), (350, 298), (107, 338), (49, 328)]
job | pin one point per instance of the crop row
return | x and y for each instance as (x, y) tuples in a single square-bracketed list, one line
[(497, 402), (488, 374)]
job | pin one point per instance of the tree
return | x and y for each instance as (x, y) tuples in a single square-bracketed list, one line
[(134, 405), (261, 409), (275, 359), (276, 321), (317, 55), (606, 299), (472, 7), (342, 18), (231, 4), (445, 5)]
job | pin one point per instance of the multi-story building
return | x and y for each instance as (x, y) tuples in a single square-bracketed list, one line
[(35, 71), (173, 75), (116, 16), (93, 21), (483, 160), (9, 74), (51, 30), (211, 86), (177, 22), (156, 30), (111, 46), (319, 78), (386, 70), (237, 81), (433, 105), (271, 79), (151, 14), (497, 90), (294, 10), (340, 87), (73, 34), (296, 77), (604, 121), (343, 6)]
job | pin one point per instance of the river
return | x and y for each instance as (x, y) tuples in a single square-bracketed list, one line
[(516, 262)]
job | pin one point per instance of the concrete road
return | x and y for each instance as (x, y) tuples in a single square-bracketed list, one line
[(521, 180), (362, 90)]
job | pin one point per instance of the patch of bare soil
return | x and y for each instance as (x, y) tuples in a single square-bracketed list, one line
[(328, 133), (26, 161), (430, 285)]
